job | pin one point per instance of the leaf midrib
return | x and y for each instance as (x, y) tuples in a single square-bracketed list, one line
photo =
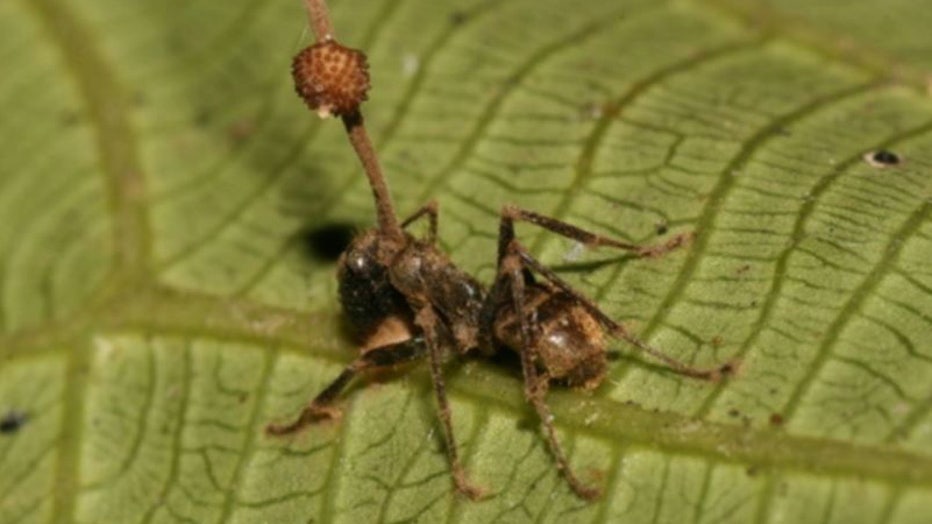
[(486, 384)]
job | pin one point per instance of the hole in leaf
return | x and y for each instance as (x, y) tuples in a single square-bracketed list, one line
[(882, 158)]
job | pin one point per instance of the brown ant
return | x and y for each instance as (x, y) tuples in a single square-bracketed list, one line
[(407, 299)]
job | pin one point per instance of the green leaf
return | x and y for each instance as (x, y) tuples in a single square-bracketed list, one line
[(161, 190)]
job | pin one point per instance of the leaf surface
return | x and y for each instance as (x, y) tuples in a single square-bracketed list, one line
[(168, 207)]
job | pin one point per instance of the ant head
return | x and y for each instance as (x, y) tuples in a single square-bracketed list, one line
[(361, 259), (366, 294)]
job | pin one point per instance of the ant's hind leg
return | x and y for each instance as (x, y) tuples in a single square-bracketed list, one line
[(322, 407), (429, 209), (427, 320), (536, 384), (513, 214)]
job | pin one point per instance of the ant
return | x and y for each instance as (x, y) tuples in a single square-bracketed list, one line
[(407, 300)]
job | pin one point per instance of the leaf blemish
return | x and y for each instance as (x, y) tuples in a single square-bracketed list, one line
[(12, 422), (882, 158)]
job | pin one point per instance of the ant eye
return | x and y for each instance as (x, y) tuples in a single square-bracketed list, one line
[(358, 262)]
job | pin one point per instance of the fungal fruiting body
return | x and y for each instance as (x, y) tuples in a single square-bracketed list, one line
[(331, 79)]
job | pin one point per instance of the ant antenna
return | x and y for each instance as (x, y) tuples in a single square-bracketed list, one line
[(333, 81)]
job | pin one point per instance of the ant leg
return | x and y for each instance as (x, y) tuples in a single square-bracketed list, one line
[(321, 407), (588, 238), (427, 320), (536, 385), (429, 209)]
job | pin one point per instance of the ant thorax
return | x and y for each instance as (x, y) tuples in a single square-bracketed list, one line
[(382, 277), (428, 277)]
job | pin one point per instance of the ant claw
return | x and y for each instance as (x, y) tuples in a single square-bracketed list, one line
[(310, 416), (678, 241), (729, 368), (587, 493), (467, 488), (472, 492)]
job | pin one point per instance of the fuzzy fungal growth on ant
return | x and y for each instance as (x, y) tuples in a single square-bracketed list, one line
[(407, 301)]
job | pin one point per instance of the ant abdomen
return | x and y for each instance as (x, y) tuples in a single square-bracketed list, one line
[(569, 344)]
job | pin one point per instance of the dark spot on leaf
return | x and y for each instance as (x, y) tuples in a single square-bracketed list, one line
[(526, 424), (240, 130), (202, 118), (12, 422), (776, 419), (733, 412), (882, 158), (729, 368), (326, 242), (139, 99), (752, 471), (661, 228), (70, 118), (458, 18)]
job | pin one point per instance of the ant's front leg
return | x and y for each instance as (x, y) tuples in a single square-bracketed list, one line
[(428, 321), (536, 384), (431, 211), (510, 247), (513, 214), (387, 356)]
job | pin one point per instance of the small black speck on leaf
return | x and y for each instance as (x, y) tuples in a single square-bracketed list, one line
[(11, 422), (458, 18), (70, 118), (202, 118), (326, 242), (882, 158), (139, 99), (661, 228)]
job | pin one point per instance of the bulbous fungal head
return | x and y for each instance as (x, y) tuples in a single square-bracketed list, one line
[(332, 79)]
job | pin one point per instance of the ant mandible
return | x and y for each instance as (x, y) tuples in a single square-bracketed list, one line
[(406, 299)]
